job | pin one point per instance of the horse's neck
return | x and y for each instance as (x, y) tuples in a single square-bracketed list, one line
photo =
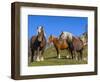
[(55, 40), (42, 35)]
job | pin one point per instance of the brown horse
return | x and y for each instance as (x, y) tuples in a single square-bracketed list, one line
[(75, 44), (37, 45), (59, 44)]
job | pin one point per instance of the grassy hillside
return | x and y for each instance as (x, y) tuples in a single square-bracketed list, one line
[(50, 58)]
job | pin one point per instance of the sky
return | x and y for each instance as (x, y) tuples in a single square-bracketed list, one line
[(56, 24)]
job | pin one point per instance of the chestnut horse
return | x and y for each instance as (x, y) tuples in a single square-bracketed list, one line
[(37, 45), (58, 43)]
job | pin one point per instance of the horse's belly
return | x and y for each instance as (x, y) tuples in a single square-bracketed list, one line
[(63, 47), (77, 46)]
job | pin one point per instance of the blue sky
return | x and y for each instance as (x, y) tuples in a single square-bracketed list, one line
[(56, 24)]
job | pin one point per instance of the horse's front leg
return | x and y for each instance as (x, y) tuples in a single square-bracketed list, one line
[(35, 55), (72, 54), (38, 55), (32, 55), (41, 55)]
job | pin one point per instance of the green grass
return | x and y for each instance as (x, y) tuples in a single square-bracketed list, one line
[(50, 58)]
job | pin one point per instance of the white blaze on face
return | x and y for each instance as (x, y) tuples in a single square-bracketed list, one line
[(39, 29)]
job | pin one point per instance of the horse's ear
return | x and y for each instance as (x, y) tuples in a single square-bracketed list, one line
[(62, 32), (42, 28)]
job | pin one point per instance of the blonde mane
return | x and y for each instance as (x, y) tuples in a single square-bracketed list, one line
[(67, 35)]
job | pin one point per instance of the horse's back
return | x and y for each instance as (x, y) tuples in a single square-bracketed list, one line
[(77, 43)]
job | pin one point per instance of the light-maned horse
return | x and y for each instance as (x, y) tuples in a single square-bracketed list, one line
[(38, 44), (75, 44), (58, 44)]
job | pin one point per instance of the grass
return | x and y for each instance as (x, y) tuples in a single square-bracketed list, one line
[(50, 58)]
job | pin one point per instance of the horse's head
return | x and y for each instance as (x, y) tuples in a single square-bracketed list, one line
[(61, 35), (40, 32), (40, 29), (50, 39), (83, 40), (66, 35)]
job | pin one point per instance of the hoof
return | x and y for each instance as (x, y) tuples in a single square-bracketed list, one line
[(84, 59), (41, 59), (67, 57), (37, 59), (59, 56)]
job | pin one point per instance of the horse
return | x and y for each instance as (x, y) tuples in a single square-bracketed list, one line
[(84, 38), (58, 43), (75, 44), (37, 45)]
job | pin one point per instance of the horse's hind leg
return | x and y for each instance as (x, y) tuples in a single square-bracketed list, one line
[(72, 54), (75, 55), (68, 53), (81, 55)]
